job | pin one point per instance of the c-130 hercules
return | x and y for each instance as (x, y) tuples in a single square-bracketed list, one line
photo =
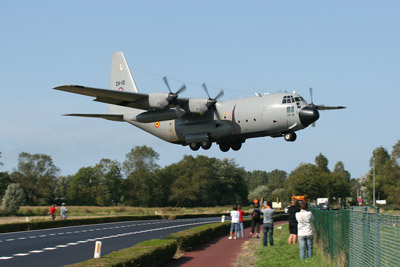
[(199, 122)]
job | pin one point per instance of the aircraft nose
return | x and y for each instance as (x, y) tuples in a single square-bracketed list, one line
[(308, 115)]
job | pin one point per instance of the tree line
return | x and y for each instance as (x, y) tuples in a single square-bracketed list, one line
[(193, 181)]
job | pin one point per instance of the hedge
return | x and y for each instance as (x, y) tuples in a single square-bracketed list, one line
[(154, 252)]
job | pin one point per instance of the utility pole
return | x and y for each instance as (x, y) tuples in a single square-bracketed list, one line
[(373, 190)]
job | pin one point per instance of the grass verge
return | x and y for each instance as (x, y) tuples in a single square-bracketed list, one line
[(281, 254)]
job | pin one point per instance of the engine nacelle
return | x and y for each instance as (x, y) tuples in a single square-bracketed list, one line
[(158, 100), (198, 105)]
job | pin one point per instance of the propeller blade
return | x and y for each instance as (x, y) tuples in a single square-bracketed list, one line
[(205, 89), (311, 95), (221, 93), (183, 88), (166, 83)]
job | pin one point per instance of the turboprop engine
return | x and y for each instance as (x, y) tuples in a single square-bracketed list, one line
[(156, 115)]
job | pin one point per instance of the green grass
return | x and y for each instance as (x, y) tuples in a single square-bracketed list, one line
[(281, 254)]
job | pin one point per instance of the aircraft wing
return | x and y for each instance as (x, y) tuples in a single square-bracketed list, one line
[(111, 117), (121, 98)]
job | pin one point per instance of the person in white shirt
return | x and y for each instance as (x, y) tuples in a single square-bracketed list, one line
[(305, 231), (234, 222)]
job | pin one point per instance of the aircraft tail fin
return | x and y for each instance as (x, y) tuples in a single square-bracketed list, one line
[(120, 80)]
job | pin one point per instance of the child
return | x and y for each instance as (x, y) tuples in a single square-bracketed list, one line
[(234, 222)]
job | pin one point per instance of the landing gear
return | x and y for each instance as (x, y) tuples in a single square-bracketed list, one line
[(205, 145), (236, 146), (290, 136), (224, 147), (194, 146)]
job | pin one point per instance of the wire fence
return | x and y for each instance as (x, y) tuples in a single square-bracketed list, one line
[(357, 237)]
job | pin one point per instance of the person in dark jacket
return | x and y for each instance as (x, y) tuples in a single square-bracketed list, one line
[(292, 210), (255, 221)]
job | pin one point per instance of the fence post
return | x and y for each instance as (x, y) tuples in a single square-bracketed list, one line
[(378, 237)]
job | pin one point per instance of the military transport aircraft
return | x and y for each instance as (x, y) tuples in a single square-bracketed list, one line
[(199, 122)]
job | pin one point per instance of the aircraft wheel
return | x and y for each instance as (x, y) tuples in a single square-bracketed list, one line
[(236, 146), (205, 145), (194, 146), (294, 136), (224, 147)]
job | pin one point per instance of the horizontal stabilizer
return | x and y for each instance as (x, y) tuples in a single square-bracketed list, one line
[(122, 98), (111, 117)]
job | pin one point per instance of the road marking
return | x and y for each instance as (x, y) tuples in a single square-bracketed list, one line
[(42, 235), (10, 239), (99, 238), (36, 251), (21, 254)]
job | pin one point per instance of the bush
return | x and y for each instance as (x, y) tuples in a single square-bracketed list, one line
[(13, 198)]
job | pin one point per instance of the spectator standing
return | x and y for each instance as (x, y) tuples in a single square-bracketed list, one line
[(234, 222), (52, 212), (63, 211), (305, 231), (241, 226), (255, 221), (292, 210), (268, 212)]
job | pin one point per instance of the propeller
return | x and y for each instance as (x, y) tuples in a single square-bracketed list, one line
[(322, 107), (173, 96), (212, 101)]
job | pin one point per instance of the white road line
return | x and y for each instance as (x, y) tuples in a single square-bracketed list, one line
[(36, 251), (49, 248), (5, 258), (72, 244), (61, 246), (77, 232), (42, 235), (60, 233), (82, 242), (52, 234), (22, 238), (21, 254), (32, 236), (10, 239)]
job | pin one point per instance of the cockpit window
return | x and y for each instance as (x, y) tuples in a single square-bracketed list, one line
[(288, 99)]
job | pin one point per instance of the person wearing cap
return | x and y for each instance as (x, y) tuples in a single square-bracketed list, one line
[(292, 210), (63, 211)]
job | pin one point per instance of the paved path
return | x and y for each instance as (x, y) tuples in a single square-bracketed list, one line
[(221, 252)]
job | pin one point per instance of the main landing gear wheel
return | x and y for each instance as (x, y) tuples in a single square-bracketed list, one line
[(194, 146), (290, 136), (224, 147), (205, 145), (236, 146)]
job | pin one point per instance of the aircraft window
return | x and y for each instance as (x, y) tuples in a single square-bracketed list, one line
[(254, 119), (291, 97), (297, 99), (288, 109), (292, 109), (247, 120)]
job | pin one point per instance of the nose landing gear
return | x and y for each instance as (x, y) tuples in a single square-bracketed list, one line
[(290, 136)]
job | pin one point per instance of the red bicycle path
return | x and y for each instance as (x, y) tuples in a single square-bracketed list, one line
[(221, 252)]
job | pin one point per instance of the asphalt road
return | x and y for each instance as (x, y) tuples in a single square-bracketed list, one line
[(68, 245)]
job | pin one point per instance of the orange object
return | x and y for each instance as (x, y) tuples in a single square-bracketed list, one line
[(300, 198), (255, 201)]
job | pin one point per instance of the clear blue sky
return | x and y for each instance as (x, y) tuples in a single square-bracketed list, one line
[(348, 51)]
